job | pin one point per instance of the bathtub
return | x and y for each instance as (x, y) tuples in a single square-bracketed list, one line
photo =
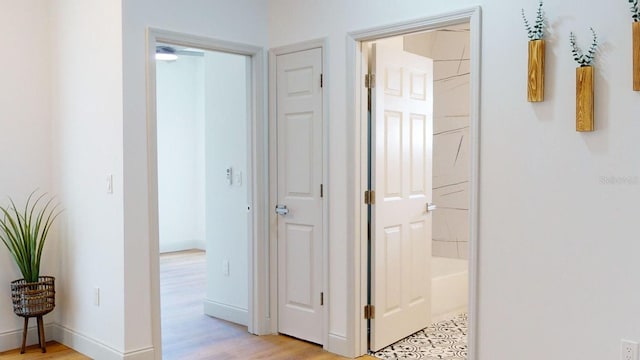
[(449, 287)]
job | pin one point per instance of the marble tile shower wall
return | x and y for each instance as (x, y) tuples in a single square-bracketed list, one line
[(449, 48)]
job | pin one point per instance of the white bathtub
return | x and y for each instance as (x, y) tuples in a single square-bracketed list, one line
[(449, 287)]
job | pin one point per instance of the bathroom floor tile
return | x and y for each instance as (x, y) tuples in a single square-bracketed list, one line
[(443, 340)]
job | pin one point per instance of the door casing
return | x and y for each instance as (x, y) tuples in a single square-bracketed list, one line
[(357, 62), (273, 184)]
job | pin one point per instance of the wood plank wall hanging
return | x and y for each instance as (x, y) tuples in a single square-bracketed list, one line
[(636, 55), (584, 83), (635, 34), (535, 71)]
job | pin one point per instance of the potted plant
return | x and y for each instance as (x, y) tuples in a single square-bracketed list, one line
[(24, 232)]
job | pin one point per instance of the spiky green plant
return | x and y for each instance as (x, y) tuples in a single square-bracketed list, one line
[(578, 56), (24, 232), (635, 10), (535, 32)]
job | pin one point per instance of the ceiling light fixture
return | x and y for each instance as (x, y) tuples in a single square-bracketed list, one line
[(166, 53)]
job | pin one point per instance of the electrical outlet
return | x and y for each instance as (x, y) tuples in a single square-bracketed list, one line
[(110, 184), (628, 350), (225, 267), (96, 297)]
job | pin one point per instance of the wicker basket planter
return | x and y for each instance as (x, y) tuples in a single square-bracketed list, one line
[(33, 300)]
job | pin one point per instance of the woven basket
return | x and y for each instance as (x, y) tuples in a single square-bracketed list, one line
[(33, 299)]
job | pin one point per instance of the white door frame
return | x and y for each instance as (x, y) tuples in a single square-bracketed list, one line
[(273, 181), (258, 322), (356, 105)]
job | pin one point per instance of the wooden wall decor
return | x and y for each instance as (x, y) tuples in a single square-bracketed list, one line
[(535, 73), (584, 98), (636, 55), (635, 34), (535, 83), (584, 83)]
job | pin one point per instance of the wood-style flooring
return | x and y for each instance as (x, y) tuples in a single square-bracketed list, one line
[(54, 351), (188, 334)]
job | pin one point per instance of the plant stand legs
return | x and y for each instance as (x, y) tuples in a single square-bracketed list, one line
[(41, 339), (24, 334)]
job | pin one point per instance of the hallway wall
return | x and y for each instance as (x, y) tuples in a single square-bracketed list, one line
[(558, 220), (87, 131), (25, 134)]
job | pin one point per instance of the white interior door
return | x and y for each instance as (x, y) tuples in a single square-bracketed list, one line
[(402, 132), (299, 156)]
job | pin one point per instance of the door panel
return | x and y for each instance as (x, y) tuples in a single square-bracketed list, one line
[(299, 147), (402, 118), (299, 255)]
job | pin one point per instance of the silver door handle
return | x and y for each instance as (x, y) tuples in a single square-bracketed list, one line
[(282, 210), (431, 207)]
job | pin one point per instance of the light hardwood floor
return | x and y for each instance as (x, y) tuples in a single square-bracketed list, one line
[(188, 334), (54, 351)]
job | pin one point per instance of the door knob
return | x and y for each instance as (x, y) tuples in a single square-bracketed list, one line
[(431, 207), (282, 210)]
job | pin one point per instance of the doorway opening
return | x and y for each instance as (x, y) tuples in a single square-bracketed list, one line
[(203, 113), (421, 98), (254, 208), (418, 262)]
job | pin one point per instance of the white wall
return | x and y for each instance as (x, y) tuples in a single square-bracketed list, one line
[(557, 244), (87, 131), (25, 135), (226, 89), (180, 116), (242, 21), (449, 49)]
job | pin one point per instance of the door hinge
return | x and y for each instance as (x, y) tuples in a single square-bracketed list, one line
[(370, 197), (369, 312), (321, 191), (370, 81), (321, 299), (321, 80)]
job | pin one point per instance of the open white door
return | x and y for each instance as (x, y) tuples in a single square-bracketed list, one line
[(299, 138), (402, 138)]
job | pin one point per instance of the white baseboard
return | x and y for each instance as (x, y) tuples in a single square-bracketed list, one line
[(142, 354), (10, 340), (182, 246), (338, 344), (226, 312), (95, 349)]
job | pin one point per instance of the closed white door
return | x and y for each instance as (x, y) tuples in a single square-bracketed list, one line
[(299, 156), (402, 130)]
